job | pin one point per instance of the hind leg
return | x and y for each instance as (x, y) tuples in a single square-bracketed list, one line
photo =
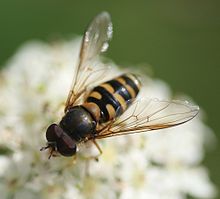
[(92, 157)]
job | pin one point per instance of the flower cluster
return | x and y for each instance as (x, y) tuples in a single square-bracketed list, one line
[(34, 84)]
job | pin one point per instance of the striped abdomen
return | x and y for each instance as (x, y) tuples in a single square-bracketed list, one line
[(113, 97)]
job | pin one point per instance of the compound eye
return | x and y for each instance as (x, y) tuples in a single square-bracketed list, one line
[(50, 134), (53, 133), (66, 146)]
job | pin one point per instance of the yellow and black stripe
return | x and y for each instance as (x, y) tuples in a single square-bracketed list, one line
[(114, 97)]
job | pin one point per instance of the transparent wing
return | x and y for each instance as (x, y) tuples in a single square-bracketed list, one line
[(89, 70), (150, 114)]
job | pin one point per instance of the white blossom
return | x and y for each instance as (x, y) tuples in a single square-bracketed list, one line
[(34, 83)]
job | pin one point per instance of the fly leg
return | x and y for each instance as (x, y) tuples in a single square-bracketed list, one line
[(74, 159), (99, 149), (92, 157)]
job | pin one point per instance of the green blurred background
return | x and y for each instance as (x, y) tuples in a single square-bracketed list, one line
[(180, 39)]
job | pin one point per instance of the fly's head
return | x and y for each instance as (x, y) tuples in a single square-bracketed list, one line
[(59, 141)]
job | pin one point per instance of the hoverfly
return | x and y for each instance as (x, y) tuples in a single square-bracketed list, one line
[(96, 111)]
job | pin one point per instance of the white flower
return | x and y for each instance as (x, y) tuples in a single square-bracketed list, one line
[(163, 164)]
